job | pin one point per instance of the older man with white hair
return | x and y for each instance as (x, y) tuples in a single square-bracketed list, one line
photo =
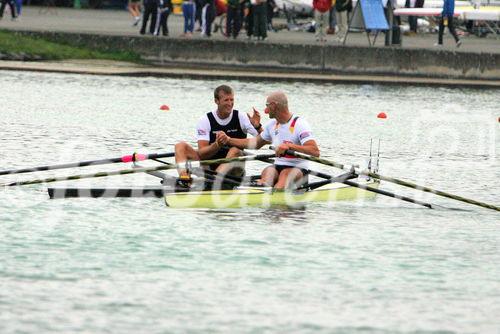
[(285, 131)]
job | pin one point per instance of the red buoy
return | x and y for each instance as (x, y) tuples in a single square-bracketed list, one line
[(382, 115), (164, 107)]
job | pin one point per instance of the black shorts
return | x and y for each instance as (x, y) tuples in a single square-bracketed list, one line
[(305, 172), (221, 154)]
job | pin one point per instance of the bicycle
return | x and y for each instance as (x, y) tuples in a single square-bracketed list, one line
[(220, 23)]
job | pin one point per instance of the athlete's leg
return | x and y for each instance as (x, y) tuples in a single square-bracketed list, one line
[(269, 176), (233, 168), (288, 178), (184, 152)]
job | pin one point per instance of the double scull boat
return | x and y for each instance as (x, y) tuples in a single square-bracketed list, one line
[(357, 183)]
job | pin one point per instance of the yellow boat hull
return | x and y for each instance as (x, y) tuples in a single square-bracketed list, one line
[(258, 197)]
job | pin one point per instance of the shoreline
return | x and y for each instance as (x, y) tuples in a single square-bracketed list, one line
[(116, 68), (286, 55), (290, 58)]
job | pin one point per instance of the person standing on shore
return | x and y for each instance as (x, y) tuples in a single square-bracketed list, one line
[(259, 19), (19, 7), (413, 20), (271, 7), (342, 10), (11, 6), (134, 8), (164, 12), (248, 8), (332, 23), (447, 20), (321, 16), (189, 13), (207, 17), (233, 22), (198, 6), (150, 9)]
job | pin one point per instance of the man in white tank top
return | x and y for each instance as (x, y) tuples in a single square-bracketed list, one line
[(284, 131)]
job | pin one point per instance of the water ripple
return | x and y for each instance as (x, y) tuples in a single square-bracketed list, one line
[(125, 266)]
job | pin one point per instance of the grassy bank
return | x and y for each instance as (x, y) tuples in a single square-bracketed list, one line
[(14, 43)]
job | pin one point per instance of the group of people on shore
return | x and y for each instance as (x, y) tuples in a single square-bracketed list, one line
[(254, 15), (337, 13), (155, 11), (222, 133), (330, 16)]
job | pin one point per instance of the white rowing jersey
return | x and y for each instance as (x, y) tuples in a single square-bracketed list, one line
[(295, 131), (203, 129)]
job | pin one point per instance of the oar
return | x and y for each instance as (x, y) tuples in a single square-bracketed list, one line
[(189, 165), (125, 158), (345, 180), (157, 174), (394, 180), (387, 193), (328, 179), (211, 175)]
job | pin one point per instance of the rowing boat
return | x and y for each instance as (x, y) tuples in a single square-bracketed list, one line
[(210, 193), (266, 197), (338, 188)]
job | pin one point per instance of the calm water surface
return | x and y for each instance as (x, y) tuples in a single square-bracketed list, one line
[(135, 266)]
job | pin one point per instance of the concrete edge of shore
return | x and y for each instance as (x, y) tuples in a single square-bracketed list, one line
[(212, 59), (99, 67)]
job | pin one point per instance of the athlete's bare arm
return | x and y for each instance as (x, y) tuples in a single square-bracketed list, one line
[(206, 150), (255, 120), (310, 147), (251, 143)]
